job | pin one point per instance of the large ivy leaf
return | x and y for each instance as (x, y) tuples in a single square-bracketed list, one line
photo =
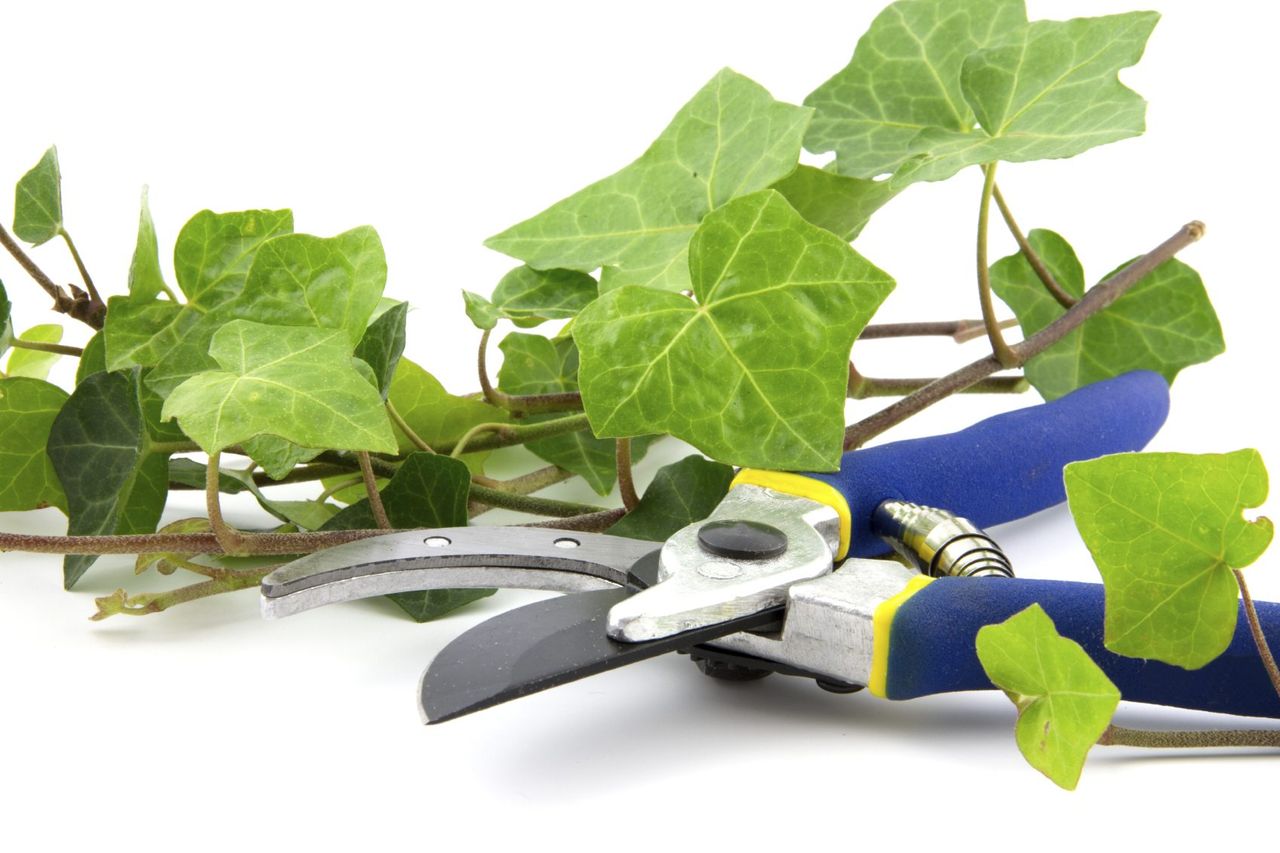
[(755, 371), (146, 281), (35, 364), (680, 494), (6, 326), (27, 478), (904, 77), (114, 480), (438, 417), (295, 280), (731, 139), (383, 344), (1166, 529), (840, 204), (532, 364), (1048, 91), (528, 297), (428, 490), (276, 456), (211, 259), (293, 382), (37, 208), (1064, 700), (927, 71), (1164, 323)]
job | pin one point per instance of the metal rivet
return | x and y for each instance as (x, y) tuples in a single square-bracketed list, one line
[(566, 542), (437, 541)]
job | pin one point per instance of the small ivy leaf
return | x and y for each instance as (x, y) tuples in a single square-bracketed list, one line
[(295, 280), (276, 456), (755, 371), (188, 472), (166, 562), (428, 490), (102, 454), (27, 477), (293, 382), (1163, 323), (93, 359), (211, 260), (904, 76), (383, 344), (1166, 529), (730, 140), (532, 364), (37, 209), (35, 364), (840, 204), (680, 494), (435, 415), (1064, 700), (146, 281), (529, 297), (6, 328)]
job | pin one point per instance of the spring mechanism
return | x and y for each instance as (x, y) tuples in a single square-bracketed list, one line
[(939, 542)]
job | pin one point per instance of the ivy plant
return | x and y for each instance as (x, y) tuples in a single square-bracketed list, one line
[(709, 292)]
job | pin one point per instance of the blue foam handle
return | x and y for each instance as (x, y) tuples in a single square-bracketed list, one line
[(931, 646), (1007, 466)]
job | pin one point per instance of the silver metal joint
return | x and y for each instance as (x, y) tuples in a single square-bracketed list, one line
[(939, 542)]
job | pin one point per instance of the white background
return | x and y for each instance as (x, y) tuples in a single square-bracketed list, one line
[(205, 727)]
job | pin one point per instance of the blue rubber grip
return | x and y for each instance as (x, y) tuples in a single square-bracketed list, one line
[(1007, 466), (931, 646)]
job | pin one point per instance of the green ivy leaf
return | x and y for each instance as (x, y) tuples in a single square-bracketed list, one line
[(276, 456), (755, 371), (731, 139), (188, 472), (27, 411), (438, 417), (295, 280), (1164, 323), (31, 363), (383, 344), (529, 297), (1047, 91), (102, 454), (1064, 700), (6, 327), (146, 281), (840, 204), (927, 71), (680, 494), (37, 208), (428, 490), (904, 77), (293, 382), (211, 259), (1166, 529), (532, 364), (93, 359)]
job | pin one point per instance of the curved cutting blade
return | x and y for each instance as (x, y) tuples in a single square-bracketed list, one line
[(542, 645)]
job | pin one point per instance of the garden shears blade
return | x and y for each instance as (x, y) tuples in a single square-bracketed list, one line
[(785, 576)]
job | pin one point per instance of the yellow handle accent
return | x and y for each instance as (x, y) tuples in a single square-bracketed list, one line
[(882, 628), (803, 487)]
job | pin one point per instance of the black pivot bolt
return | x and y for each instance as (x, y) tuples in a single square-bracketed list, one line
[(742, 540)]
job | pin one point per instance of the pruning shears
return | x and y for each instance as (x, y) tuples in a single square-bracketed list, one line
[(789, 575)]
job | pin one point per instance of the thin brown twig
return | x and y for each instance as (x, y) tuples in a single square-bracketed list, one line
[(1205, 739), (77, 305), (38, 346), (594, 522), (1255, 628), (1096, 299), (1066, 300), (181, 543), (84, 271)]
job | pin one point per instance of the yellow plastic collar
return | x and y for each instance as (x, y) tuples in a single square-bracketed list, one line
[(803, 487), (882, 628)]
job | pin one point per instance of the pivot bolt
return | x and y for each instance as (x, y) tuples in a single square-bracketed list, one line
[(742, 540)]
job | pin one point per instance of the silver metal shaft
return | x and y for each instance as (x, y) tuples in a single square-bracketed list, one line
[(939, 542)]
